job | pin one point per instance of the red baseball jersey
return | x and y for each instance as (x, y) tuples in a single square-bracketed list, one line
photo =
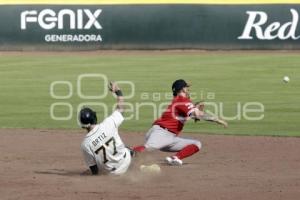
[(176, 114)]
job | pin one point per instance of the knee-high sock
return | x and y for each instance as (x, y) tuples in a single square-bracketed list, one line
[(187, 151), (139, 148)]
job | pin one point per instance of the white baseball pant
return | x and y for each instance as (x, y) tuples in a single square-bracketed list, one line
[(158, 138)]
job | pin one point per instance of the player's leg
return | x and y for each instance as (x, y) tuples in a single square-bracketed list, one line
[(141, 148), (124, 164), (156, 139), (184, 148)]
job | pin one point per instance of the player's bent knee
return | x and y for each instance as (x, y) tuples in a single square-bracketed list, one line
[(198, 144), (150, 147)]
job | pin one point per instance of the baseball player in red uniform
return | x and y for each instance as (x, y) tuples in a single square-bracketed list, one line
[(163, 135)]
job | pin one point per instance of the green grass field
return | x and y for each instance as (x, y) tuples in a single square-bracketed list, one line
[(229, 78)]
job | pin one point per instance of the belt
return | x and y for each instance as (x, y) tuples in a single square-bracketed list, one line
[(165, 129)]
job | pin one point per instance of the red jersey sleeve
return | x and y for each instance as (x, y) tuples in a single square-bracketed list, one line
[(184, 106)]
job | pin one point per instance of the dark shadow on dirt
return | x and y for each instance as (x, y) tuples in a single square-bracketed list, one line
[(63, 172)]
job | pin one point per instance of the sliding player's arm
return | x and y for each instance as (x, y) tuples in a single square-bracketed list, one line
[(114, 88)]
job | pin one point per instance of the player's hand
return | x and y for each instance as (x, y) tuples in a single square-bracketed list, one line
[(222, 122), (200, 105), (113, 87)]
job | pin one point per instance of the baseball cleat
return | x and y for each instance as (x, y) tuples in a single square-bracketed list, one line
[(174, 160)]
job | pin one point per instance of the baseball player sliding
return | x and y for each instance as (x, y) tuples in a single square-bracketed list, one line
[(164, 133), (102, 148)]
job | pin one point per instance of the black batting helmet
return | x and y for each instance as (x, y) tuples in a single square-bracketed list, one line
[(87, 117)]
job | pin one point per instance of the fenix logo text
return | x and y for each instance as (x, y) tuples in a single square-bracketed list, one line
[(49, 19), (258, 23)]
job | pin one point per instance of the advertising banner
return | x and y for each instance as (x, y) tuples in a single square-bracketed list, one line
[(153, 26)]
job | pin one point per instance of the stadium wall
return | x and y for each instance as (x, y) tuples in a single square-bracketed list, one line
[(149, 26)]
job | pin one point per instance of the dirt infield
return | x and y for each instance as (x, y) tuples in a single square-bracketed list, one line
[(47, 164)]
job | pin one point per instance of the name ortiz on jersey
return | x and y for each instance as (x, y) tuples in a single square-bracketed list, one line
[(103, 149)]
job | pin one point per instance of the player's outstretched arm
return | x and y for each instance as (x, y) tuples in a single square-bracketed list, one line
[(114, 88), (199, 114), (208, 117), (211, 118)]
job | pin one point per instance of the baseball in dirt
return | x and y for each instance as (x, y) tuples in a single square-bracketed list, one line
[(154, 168), (286, 79)]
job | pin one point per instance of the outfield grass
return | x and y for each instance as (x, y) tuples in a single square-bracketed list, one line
[(232, 77)]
